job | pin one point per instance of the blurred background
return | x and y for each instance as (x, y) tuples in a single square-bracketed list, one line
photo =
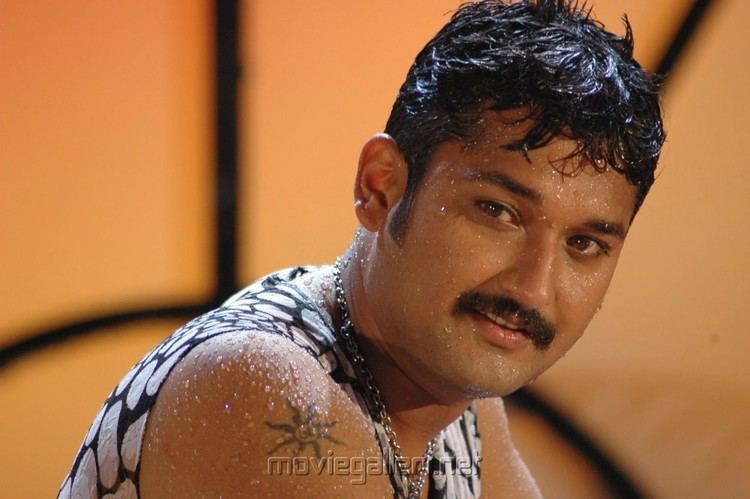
[(127, 129)]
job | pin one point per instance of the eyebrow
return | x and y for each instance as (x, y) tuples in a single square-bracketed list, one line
[(605, 227), (505, 182)]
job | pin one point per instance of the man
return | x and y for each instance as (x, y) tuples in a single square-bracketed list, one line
[(493, 210)]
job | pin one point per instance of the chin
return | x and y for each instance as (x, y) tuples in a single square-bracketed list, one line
[(482, 378), (494, 388)]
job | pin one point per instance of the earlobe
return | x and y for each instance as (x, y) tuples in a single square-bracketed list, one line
[(381, 180)]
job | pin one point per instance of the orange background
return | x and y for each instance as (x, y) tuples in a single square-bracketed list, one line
[(105, 205)]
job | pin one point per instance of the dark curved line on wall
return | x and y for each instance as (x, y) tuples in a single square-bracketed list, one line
[(226, 43), (94, 325), (616, 480), (681, 39)]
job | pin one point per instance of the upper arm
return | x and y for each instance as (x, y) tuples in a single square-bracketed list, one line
[(504, 474), (233, 414)]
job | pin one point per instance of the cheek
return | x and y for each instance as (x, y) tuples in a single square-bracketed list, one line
[(462, 256), (440, 261), (581, 294)]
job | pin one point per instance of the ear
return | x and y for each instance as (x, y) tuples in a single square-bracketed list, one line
[(381, 181)]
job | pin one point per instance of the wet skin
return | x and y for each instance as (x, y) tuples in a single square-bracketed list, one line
[(487, 222)]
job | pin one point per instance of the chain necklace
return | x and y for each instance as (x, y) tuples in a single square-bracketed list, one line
[(350, 342)]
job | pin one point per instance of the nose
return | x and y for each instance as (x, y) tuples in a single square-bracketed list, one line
[(531, 277)]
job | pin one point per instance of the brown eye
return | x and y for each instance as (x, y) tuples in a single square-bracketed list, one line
[(498, 210), (587, 246)]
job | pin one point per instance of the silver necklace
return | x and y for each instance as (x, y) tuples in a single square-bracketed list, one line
[(347, 333)]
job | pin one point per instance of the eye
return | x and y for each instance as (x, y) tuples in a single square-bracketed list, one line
[(587, 246), (497, 210)]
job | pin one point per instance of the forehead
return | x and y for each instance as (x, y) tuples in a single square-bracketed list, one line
[(555, 176)]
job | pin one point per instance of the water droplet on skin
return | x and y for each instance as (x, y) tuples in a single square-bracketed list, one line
[(227, 407), (443, 210)]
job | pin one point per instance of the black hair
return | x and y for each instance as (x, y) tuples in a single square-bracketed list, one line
[(550, 57)]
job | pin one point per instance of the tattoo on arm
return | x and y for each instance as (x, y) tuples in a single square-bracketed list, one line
[(308, 428)]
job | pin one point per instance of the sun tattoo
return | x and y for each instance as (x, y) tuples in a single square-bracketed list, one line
[(307, 429)]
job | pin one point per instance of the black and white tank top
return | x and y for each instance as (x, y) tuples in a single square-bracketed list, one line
[(108, 462)]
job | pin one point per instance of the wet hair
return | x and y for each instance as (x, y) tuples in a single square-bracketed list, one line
[(549, 57)]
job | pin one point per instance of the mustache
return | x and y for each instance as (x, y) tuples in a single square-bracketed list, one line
[(538, 329)]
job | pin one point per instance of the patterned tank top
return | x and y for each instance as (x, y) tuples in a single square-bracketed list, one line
[(108, 462)]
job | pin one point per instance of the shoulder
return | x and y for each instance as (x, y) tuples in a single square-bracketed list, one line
[(504, 474), (237, 409)]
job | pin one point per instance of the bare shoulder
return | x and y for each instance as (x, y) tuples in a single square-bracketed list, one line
[(253, 415), (504, 474)]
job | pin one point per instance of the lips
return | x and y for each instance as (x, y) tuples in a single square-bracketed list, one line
[(499, 331), (512, 325)]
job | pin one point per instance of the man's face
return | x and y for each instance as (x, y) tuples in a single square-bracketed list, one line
[(503, 265)]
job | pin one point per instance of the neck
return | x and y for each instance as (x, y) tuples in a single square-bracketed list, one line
[(417, 413)]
